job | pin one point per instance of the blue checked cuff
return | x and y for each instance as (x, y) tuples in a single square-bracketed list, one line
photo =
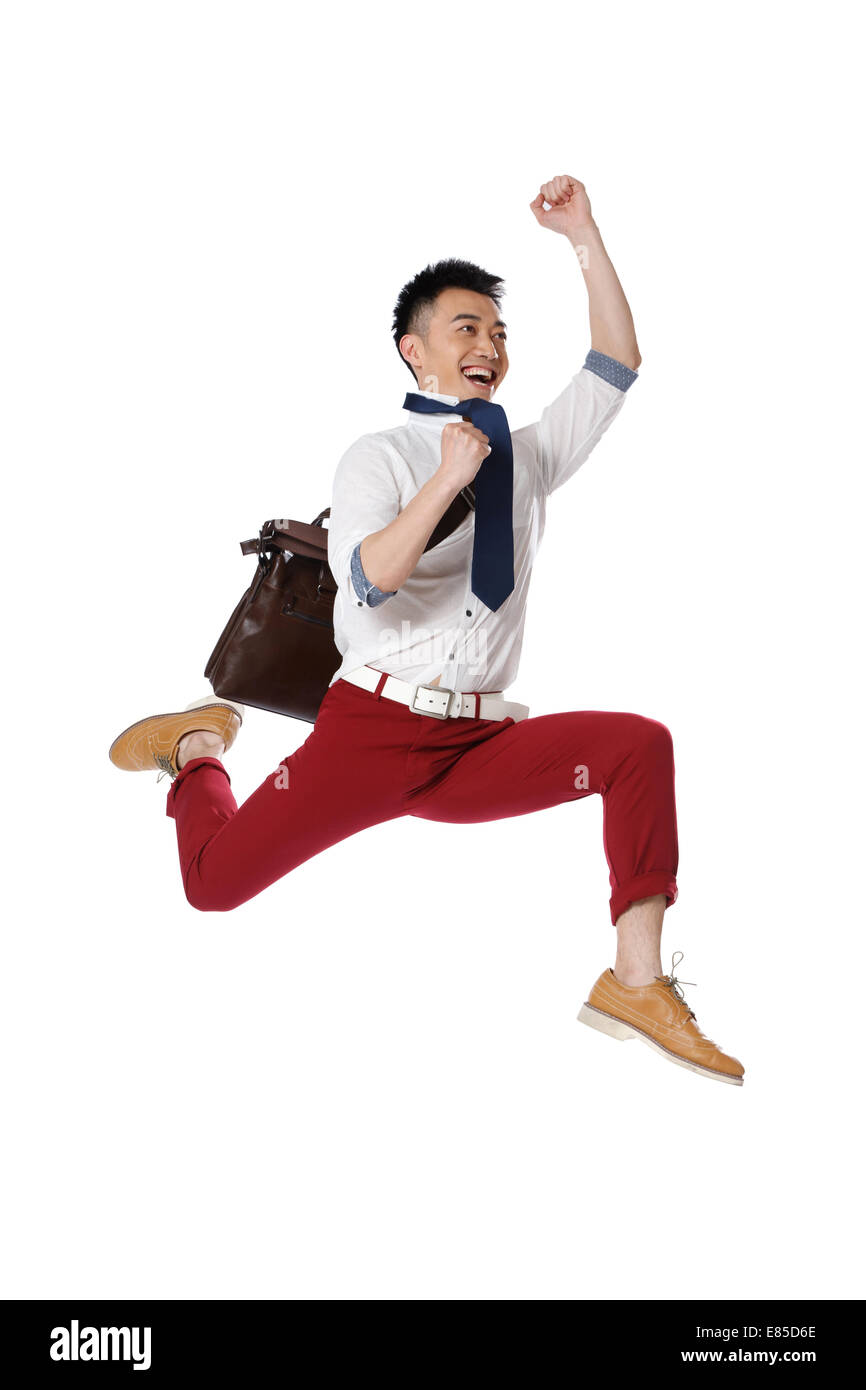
[(616, 373), (367, 593)]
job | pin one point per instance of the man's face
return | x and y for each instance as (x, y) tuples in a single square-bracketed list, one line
[(464, 353)]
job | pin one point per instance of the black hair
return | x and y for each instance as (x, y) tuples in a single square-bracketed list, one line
[(417, 298)]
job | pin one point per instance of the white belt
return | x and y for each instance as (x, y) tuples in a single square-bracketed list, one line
[(437, 700)]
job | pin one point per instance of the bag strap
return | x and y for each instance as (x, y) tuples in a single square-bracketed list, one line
[(311, 538), (463, 503)]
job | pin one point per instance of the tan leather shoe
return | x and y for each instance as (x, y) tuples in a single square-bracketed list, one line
[(658, 1015), (152, 743)]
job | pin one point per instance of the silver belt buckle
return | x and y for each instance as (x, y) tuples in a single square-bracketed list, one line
[(434, 690)]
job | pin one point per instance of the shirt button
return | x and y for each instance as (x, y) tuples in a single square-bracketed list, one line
[(469, 612), (360, 604)]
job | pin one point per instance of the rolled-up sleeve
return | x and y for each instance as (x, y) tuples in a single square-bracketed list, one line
[(365, 497), (572, 425), (366, 591)]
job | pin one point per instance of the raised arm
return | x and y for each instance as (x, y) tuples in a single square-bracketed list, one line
[(610, 321)]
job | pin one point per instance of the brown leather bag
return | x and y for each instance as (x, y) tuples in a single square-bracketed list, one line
[(277, 650)]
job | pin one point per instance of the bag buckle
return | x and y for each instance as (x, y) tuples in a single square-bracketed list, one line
[(266, 534), (434, 691)]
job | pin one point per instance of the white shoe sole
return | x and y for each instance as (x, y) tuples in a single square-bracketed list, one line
[(615, 1028), (216, 700)]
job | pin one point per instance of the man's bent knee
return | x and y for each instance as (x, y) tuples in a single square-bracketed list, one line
[(651, 740), (210, 899)]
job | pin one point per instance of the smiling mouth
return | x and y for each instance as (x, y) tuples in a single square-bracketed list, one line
[(479, 376)]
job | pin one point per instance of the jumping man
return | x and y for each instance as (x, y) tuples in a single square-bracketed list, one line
[(414, 721)]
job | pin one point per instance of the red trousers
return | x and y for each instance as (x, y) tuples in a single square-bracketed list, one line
[(369, 759)]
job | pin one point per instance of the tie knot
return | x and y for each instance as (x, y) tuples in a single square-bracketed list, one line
[(478, 410)]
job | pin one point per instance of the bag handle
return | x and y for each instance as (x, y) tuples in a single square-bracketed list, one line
[(299, 537)]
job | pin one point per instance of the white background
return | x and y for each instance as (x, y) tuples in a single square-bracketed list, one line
[(369, 1082)]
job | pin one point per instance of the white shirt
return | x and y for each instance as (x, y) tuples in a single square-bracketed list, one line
[(434, 623)]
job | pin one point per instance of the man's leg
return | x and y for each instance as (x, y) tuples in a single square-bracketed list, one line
[(543, 761), (345, 777), (628, 760)]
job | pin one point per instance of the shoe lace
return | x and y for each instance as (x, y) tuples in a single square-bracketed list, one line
[(167, 765), (673, 983)]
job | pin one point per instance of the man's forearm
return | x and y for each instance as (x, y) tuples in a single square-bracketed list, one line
[(610, 321), (389, 556)]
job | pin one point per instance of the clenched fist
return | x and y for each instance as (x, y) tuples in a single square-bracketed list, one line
[(569, 205), (464, 449)]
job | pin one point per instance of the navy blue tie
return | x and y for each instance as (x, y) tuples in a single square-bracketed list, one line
[(493, 551)]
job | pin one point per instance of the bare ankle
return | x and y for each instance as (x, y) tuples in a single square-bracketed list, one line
[(199, 743), (638, 941), (635, 976)]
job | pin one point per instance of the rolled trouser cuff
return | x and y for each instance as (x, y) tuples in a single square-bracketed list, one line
[(181, 776), (645, 886)]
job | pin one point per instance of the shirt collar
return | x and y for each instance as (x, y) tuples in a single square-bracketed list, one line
[(435, 422), (435, 396)]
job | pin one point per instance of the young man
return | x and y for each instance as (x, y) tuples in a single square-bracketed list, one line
[(414, 721)]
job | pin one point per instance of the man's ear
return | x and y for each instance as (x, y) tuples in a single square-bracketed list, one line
[(409, 352)]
